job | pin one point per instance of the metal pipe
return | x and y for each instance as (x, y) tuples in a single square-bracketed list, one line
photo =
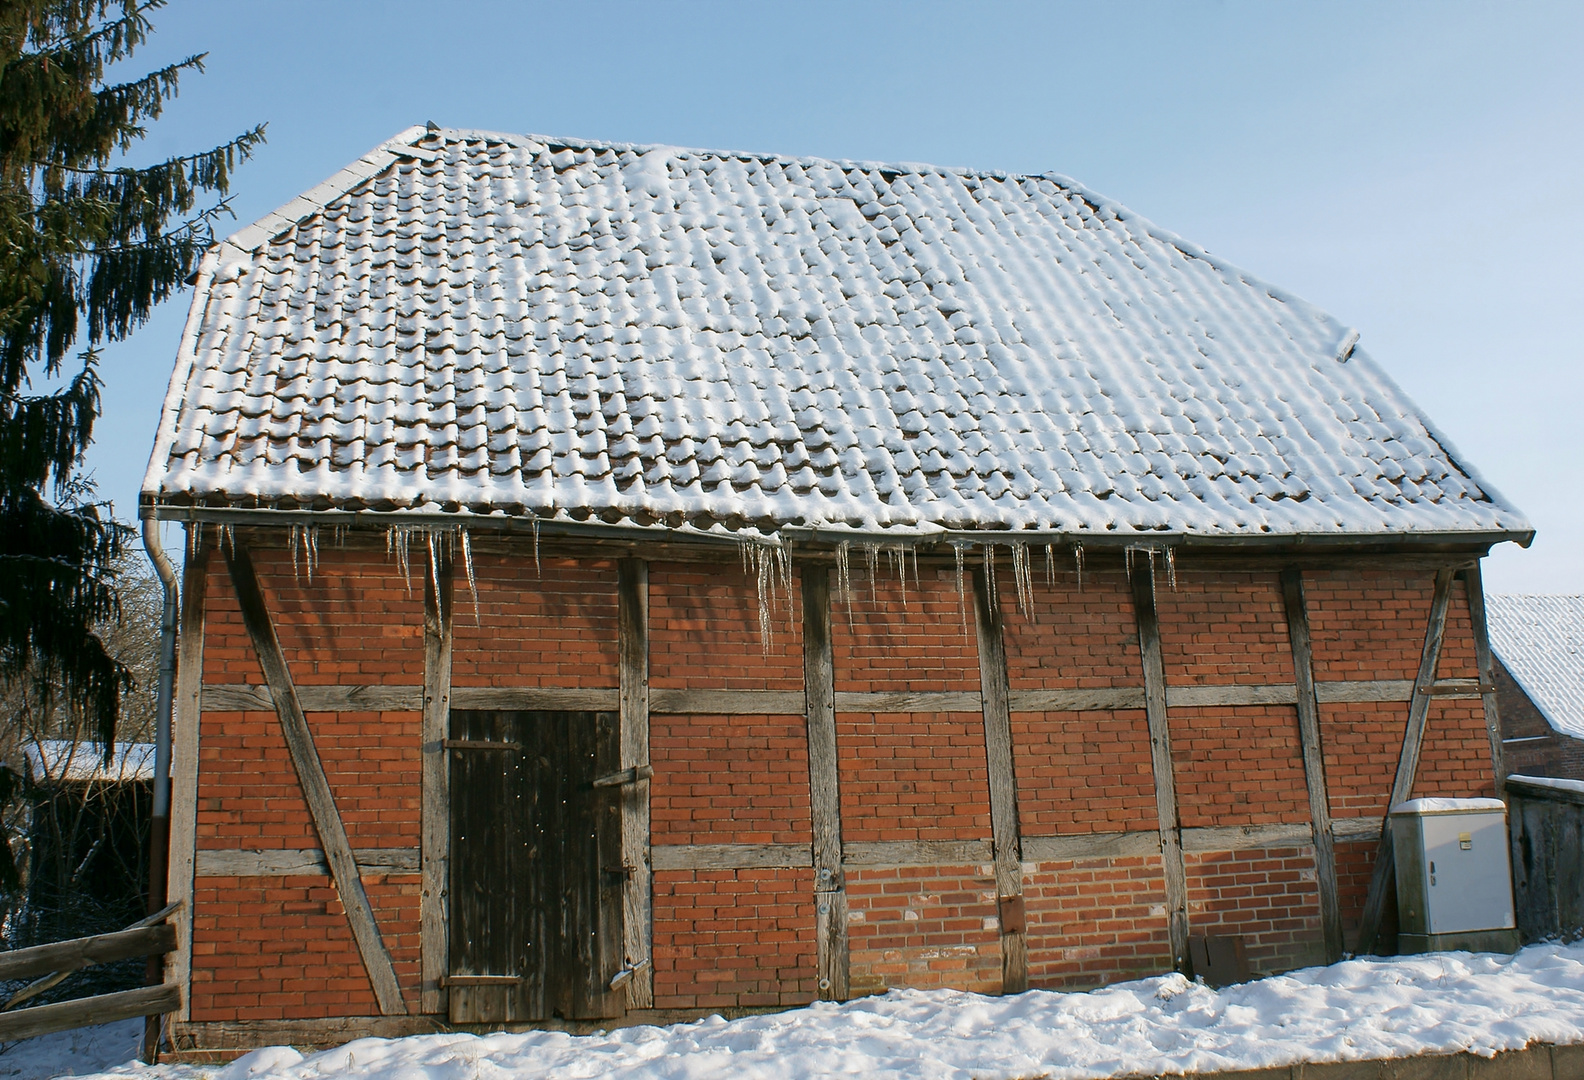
[(159, 826)]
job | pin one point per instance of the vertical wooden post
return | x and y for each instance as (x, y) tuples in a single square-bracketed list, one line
[(1006, 842), (1474, 586), (433, 905), (315, 785), (184, 762), (1142, 579), (632, 586), (1383, 875), (830, 885), (1313, 762)]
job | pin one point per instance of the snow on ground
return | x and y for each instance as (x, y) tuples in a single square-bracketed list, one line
[(1437, 1003), (72, 1053)]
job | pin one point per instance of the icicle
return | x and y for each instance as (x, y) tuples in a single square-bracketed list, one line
[(227, 537), (1078, 559), (784, 566), (898, 557), (872, 565), (1023, 579), (843, 581), (962, 599), (313, 550), (1050, 565), (760, 563), (296, 531), (397, 537), (537, 569), (1171, 568), (992, 600), (1127, 562)]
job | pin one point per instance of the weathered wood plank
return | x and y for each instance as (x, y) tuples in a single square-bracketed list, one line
[(84, 952), (1352, 829), (1297, 610), (1474, 586), (536, 698), (103, 1009), (1211, 838), (729, 856), (1100, 699), (1364, 691), (1384, 872), (924, 701), (1175, 870), (726, 702), (1005, 835), (315, 785), (185, 737), (916, 852), (1190, 697), (632, 587), (291, 862), (1106, 845), (830, 886), (244, 697), (435, 777)]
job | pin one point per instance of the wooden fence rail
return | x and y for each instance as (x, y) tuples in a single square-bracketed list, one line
[(55, 961)]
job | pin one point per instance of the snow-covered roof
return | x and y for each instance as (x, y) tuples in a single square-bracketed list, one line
[(1540, 640), (63, 760), (478, 323)]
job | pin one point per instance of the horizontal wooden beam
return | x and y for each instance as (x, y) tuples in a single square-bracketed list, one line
[(292, 862), (241, 697), (103, 1009), (84, 952), (1036, 849), (729, 856), (726, 702), (938, 701)]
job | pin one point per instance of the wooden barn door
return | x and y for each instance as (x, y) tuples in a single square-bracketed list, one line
[(535, 867)]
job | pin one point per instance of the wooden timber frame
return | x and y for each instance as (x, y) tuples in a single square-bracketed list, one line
[(1322, 835), (819, 703), (435, 773), (1141, 576), (632, 588), (831, 953), (185, 741), (1474, 590), (1383, 875), (1006, 843), (315, 785)]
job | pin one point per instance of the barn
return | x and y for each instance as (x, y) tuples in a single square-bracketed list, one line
[(626, 583)]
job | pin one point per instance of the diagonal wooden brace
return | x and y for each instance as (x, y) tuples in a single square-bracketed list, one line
[(315, 785), (1407, 762)]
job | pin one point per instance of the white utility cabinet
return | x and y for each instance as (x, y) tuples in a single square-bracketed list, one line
[(1454, 876)]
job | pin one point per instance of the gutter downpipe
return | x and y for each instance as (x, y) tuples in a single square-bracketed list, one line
[(159, 826)]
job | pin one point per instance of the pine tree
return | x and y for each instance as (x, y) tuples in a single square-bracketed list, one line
[(88, 245)]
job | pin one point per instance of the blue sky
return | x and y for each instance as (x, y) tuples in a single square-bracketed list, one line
[(1417, 169)]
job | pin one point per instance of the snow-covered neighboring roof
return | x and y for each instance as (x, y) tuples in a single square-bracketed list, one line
[(1540, 639), (62, 760), (651, 336)]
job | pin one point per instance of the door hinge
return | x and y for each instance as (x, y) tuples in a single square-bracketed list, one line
[(625, 776), (624, 976)]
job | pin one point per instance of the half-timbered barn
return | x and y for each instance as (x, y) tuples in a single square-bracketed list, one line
[(634, 582)]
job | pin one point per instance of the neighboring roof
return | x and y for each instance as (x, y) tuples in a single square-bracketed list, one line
[(628, 335), (64, 761), (1540, 639)]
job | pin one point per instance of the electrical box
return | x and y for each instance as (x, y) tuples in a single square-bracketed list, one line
[(1454, 876)]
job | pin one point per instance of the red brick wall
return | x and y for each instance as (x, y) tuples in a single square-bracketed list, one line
[(1265, 895), (733, 938), (279, 947), (1087, 771), (923, 927), (1093, 921), (728, 939)]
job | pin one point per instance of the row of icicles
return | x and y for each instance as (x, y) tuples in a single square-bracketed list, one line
[(768, 565)]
